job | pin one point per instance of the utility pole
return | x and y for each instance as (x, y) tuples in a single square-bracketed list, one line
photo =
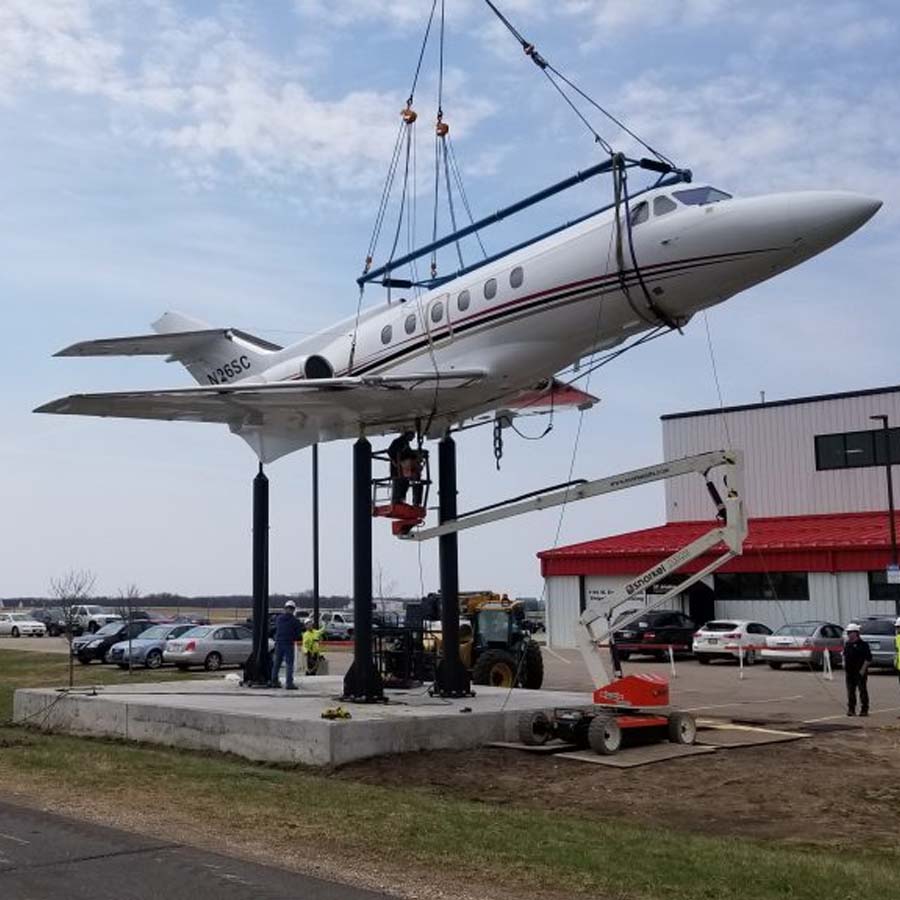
[(890, 489)]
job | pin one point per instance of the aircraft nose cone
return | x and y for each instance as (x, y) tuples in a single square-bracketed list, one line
[(826, 217)]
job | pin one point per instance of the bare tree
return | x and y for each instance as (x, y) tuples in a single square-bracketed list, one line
[(69, 591), (128, 596), (386, 588)]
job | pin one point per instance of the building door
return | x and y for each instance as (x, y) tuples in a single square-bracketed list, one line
[(701, 603)]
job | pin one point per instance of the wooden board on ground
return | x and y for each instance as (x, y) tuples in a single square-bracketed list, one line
[(547, 749), (630, 757), (728, 737)]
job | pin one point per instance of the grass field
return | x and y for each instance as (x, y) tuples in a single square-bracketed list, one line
[(408, 833)]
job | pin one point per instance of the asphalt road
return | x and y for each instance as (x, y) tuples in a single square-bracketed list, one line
[(46, 857)]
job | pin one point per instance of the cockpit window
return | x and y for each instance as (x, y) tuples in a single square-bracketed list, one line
[(700, 196), (663, 205), (640, 213)]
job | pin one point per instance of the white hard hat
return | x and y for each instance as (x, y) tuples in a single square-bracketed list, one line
[(852, 627), (289, 604), (897, 624)]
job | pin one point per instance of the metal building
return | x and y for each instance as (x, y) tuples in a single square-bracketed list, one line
[(816, 492)]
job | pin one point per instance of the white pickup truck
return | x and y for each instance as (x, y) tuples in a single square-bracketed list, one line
[(89, 618)]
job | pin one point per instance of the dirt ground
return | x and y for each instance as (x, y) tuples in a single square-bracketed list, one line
[(797, 791)]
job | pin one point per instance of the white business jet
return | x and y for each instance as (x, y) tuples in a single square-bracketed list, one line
[(491, 339)]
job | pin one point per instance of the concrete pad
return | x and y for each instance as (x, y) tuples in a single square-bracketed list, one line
[(282, 726), (630, 757)]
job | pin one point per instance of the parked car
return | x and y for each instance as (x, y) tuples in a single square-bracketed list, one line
[(725, 638), (211, 646), (878, 632), (89, 618), (53, 617), (90, 647), (147, 648), (654, 632), (804, 642), (21, 625), (338, 625)]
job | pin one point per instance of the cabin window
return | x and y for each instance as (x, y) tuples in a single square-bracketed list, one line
[(410, 324), (640, 213), (463, 301), (701, 196), (663, 205), (490, 289), (386, 334), (437, 311), (516, 277)]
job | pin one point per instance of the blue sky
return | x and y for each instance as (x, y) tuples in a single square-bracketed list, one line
[(225, 159)]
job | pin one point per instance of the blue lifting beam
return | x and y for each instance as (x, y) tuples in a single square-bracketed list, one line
[(500, 214)]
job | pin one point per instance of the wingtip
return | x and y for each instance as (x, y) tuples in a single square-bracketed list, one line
[(54, 406)]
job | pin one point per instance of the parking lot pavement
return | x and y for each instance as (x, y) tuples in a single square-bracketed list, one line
[(791, 696), (45, 857)]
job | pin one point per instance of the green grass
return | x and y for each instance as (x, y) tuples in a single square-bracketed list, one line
[(26, 669), (511, 844)]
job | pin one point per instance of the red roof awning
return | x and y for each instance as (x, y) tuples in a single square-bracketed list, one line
[(836, 542)]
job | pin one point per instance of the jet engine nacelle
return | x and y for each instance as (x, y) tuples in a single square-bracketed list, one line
[(311, 367)]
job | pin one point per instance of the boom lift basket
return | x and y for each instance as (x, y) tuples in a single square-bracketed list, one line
[(405, 516)]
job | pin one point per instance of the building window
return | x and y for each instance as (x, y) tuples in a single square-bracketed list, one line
[(857, 449), (386, 334), (410, 324), (490, 289), (879, 589), (437, 311), (516, 277), (761, 585), (463, 301)]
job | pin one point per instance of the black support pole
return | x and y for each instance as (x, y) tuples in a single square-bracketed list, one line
[(892, 524), (451, 678), (315, 533), (258, 668), (362, 683)]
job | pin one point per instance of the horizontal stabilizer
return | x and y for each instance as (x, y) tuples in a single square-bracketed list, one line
[(172, 344)]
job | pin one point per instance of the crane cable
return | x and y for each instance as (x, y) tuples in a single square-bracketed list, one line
[(550, 70)]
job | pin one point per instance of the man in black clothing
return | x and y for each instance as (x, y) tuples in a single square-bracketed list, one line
[(857, 659), (398, 452), (287, 632)]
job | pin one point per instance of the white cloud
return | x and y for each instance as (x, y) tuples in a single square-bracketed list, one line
[(758, 134)]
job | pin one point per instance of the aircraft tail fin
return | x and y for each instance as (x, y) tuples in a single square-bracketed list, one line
[(212, 356)]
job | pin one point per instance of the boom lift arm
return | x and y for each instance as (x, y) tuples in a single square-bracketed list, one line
[(595, 624)]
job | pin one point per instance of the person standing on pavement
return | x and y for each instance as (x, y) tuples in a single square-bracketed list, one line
[(897, 647), (857, 659), (312, 648), (287, 633)]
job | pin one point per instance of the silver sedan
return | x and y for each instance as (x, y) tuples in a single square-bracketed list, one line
[(210, 646)]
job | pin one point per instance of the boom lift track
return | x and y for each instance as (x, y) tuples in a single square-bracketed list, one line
[(633, 701)]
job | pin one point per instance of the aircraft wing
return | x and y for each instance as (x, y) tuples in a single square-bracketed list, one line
[(278, 417), (551, 394)]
